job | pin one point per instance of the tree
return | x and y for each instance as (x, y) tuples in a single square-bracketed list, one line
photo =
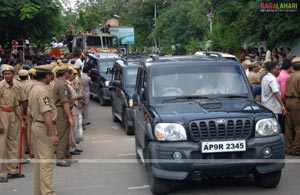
[(36, 19)]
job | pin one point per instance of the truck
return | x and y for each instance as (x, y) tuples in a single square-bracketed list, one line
[(95, 43)]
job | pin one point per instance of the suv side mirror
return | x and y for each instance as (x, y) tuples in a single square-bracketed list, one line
[(116, 83), (143, 95), (109, 71), (256, 89)]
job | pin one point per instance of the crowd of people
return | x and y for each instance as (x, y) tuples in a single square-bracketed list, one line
[(47, 104), (277, 75)]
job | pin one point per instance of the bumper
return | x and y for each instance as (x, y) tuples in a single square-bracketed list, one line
[(197, 165)]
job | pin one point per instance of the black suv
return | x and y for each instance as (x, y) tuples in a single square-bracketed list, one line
[(100, 64), (122, 88), (197, 119)]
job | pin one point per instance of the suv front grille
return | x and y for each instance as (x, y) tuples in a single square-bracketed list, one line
[(228, 129)]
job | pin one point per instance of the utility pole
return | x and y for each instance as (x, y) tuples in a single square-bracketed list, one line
[(210, 17)]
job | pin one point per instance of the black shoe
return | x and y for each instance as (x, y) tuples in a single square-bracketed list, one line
[(78, 150), (15, 176), (63, 163), (88, 123), (3, 180), (297, 153), (75, 152)]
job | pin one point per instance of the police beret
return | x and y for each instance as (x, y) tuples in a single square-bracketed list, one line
[(23, 73), (62, 68), (32, 71), (44, 68), (53, 64), (6, 67), (59, 61), (296, 60), (76, 66), (267, 60)]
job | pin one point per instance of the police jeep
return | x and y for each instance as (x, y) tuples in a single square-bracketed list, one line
[(100, 64), (122, 88), (195, 118)]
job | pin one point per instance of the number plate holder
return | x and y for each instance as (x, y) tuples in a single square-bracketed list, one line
[(223, 146)]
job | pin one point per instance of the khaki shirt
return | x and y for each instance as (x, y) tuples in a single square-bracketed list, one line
[(20, 87), (9, 96), (293, 85), (40, 102), (61, 93), (28, 85), (253, 78), (77, 85)]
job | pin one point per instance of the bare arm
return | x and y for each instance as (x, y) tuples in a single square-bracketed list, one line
[(279, 99)]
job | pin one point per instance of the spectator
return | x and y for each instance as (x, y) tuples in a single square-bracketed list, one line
[(85, 81), (268, 54), (289, 53), (270, 93)]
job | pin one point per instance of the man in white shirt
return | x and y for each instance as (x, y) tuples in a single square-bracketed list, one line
[(270, 90)]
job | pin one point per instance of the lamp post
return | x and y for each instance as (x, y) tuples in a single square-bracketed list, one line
[(210, 17)]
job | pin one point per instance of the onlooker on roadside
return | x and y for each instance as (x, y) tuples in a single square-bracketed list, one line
[(285, 72), (289, 53), (270, 93), (268, 54)]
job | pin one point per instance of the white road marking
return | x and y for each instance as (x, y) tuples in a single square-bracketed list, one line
[(130, 139), (138, 187), (129, 154), (101, 141)]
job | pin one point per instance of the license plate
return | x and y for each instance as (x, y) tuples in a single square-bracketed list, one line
[(223, 146)]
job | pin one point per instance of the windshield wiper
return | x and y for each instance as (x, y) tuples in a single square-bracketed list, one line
[(233, 96), (185, 98)]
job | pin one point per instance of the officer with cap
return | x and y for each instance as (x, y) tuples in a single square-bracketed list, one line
[(9, 110), (43, 130), (63, 102), (253, 76), (292, 122)]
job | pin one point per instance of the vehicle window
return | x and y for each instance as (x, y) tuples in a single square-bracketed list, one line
[(131, 77), (104, 65), (78, 42), (93, 41), (93, 65), (197, 81), (118, 74)]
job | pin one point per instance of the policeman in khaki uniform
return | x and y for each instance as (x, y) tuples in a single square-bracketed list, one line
[(27, 88), (292, 121), (63, 102), (9, 113), (43, 130)]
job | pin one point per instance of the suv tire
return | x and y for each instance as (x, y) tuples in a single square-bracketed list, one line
[(157, 185), (101, 99), (267, 180), (128, 129), (113, 116)]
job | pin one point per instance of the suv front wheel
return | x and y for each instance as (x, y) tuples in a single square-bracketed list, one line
[(267, 180), (157, 185)]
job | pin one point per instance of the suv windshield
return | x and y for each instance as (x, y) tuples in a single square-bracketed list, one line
[(197, 81), (130, 77), (105, 64)]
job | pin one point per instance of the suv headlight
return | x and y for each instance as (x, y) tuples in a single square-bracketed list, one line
[(169, 132), (266, 127)]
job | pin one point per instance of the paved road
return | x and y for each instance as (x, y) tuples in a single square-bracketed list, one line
[(108, 166)]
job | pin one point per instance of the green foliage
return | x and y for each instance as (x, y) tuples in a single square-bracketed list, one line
[(36, 19)]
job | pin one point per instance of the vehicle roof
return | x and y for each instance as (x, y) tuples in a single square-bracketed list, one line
[(124, 63), (224, 55), (188, 60), (104, 55)]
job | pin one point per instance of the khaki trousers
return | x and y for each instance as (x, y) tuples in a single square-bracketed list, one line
[(63, 131), (9, 144), (73, 131), (292, 125), (44, 150)]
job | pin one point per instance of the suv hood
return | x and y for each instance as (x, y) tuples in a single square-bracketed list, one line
[(187, 111)]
